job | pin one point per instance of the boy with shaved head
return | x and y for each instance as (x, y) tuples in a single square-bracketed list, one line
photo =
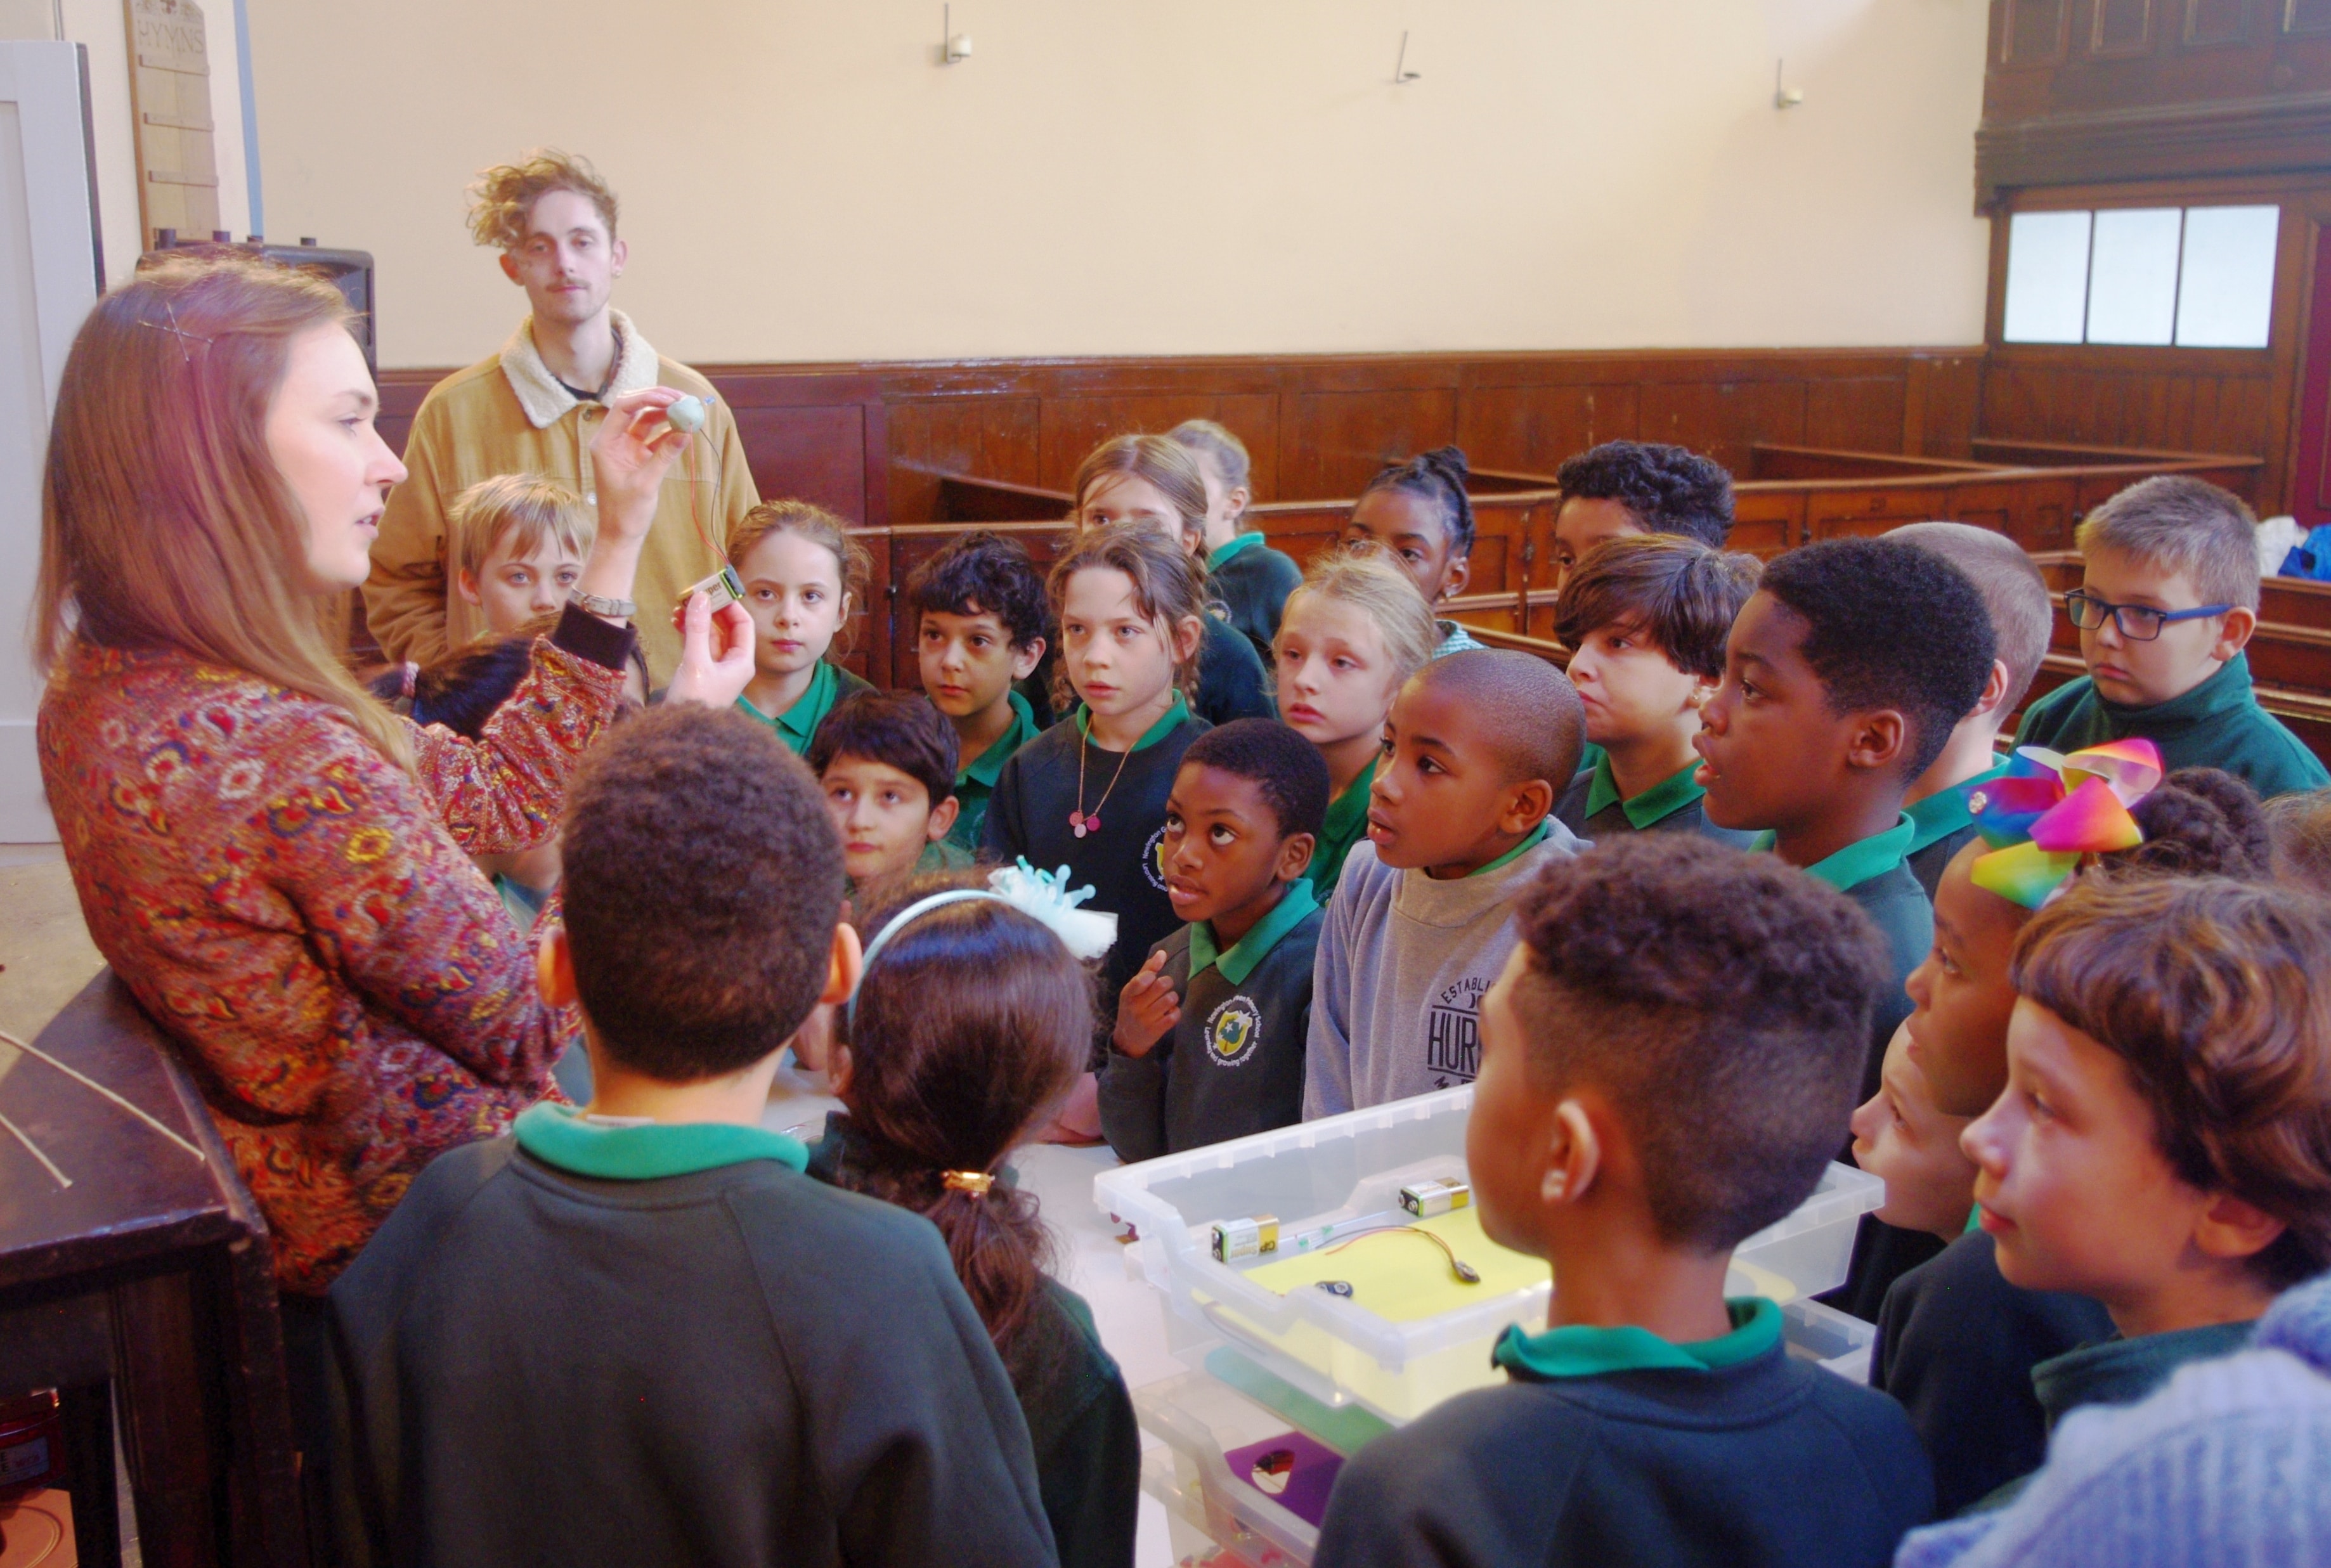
[(1460, 818)]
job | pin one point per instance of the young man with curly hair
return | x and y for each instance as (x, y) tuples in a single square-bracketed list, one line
[(533, 407)]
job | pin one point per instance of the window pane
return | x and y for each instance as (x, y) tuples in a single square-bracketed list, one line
[(2227, 295), (2133, 275), (2047, 277)]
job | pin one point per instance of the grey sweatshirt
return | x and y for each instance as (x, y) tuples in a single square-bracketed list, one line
[(1403, 961)]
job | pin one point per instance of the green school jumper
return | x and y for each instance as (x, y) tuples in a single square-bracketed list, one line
[(1592, 809), (2218, 724), (1252, 580), (977, 782), (1612, 1445), (1944, 827), (797, 725)]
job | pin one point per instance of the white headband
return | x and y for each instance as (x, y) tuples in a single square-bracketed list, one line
[(1044, 897)]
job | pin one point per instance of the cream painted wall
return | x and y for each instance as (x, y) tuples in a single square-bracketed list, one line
[(801, 180)]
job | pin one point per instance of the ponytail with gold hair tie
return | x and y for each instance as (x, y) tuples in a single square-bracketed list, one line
[(975, 1183)]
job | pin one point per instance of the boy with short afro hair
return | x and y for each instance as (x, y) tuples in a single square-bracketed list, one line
[(981, 623), (659, 1237), (2022, 617), (1844, 678), (2163, 1144), (1460, 818), (1667, 1066), (2168, 598), (887, 765), (1210, 1033), (1638, 487), (1645, 617)]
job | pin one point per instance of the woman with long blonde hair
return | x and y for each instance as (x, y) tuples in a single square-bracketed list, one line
[(275, 863)]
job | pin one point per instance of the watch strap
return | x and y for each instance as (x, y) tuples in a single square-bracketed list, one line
[(614, 609)]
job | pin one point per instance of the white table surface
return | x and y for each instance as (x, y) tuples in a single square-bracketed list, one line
[(1129, 1315)]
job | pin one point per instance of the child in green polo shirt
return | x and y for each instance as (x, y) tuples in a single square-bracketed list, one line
[(1843, 678), (2164, 1144), (804, 576), (1645, 617), (1667, 1063), (887, 765), (981, 628), (2168, 598), (1250, 578), (2016, 595), (638, 1332), (1210, 1030), (1353, 633)]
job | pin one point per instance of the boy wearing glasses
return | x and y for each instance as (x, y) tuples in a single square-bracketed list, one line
[(2169, 596)]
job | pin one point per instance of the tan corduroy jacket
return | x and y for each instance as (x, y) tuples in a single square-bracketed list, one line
[(508, 414)]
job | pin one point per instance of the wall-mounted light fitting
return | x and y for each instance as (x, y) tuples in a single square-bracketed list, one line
[(1400, 75), (1785, 97), (954, 47)]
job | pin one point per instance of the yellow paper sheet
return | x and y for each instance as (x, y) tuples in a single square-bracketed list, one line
[(1405, 1278)]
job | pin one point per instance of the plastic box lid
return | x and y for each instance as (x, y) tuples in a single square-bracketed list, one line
[(1326, 1179)]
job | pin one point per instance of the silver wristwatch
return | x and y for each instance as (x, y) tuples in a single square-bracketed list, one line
[(613, 609)]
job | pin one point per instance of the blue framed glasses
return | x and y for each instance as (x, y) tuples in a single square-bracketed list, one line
[(2138, 622)]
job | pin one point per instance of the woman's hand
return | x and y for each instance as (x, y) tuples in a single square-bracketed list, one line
[(715, 654), (630, 456)]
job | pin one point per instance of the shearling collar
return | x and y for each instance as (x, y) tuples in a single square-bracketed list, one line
[(545, 401)]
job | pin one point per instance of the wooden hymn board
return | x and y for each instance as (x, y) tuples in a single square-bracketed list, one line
[(170, 100)]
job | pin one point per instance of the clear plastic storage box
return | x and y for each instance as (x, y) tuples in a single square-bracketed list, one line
[(1327, 1181)]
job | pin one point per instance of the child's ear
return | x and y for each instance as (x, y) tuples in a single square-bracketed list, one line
[(2230, 1229), (1878, 741), (1295, 855), (846, 964), (1995, 689), (1574, 1157), (1455, 576), (465, 584), (1025, 657), (554, 967), (1703, 690), (1527, 805), (2234, 632), (1189, 632), (942, 820)]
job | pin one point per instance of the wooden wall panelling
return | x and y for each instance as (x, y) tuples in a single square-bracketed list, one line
[(1530, 429), (1942, 403), (1864, 412), (2119, 29), (2036, 34), (996, 437), (1336, 441), (2215, 23), (1839, 512), (2302, 18), (1725, 419), (869, 631)]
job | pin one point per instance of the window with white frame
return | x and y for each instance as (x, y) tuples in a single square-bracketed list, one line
[(2187, 277)]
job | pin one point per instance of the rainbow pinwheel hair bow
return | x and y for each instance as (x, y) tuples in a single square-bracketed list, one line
[(2048, 810)]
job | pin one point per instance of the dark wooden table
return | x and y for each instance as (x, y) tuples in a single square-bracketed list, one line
[(145, 1287)]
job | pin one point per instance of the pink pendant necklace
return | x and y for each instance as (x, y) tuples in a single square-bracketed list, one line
[(1081, 821)]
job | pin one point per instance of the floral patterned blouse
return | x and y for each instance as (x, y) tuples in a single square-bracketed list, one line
[(301, 917)]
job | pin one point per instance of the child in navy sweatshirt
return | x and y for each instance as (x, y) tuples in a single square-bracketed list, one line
[(1210, 1033), (1090, 792), (1667, 1061)]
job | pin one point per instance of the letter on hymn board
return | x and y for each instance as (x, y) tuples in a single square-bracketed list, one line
[(170, 97)]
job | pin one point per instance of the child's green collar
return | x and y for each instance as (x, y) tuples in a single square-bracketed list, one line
[(1657, 803), (558, 1136), (1174, 715), (986, 767), (1295, 903), (1945, 812), (1860, 861), (1584, 1350), (1236, 544), (1530, 840)]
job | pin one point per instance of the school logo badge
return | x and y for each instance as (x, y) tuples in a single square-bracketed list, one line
[(1234, 1030), (1153, 858)]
